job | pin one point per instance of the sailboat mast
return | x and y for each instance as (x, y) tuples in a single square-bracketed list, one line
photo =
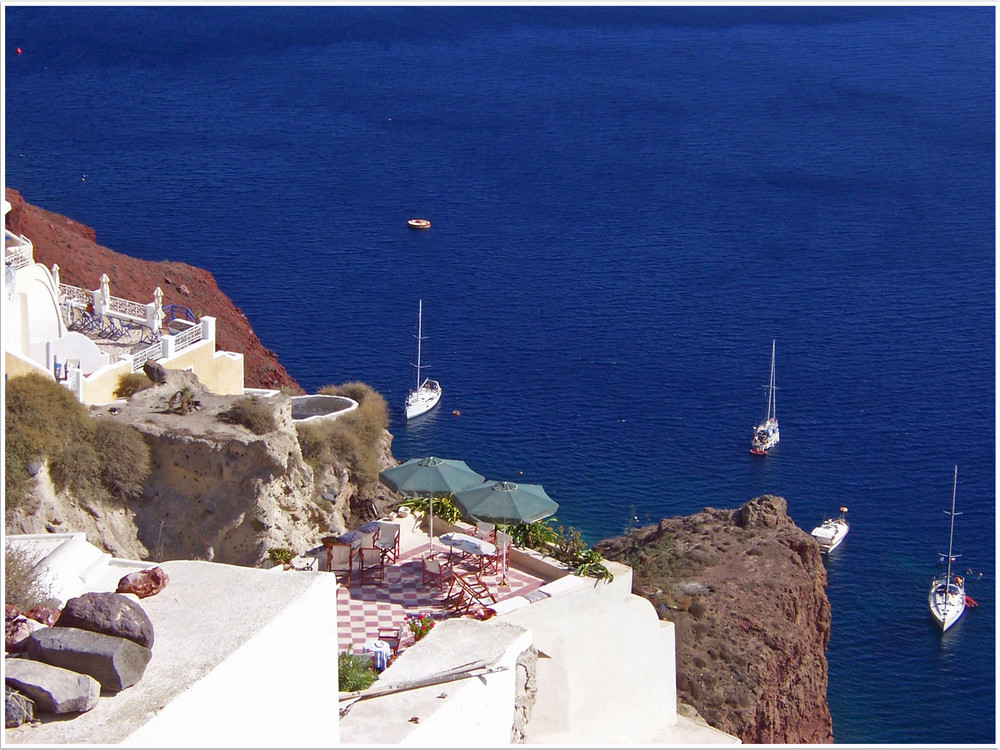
[(951, 534), (420, 335), (770, 391)]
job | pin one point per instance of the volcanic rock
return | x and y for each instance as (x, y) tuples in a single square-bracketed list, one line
[(116, 663), (144, 583), (110, 614), (746, 591), (53, 689)]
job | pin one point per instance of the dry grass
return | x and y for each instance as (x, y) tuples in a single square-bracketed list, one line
[(94, 458)]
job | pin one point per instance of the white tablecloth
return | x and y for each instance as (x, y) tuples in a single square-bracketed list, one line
[(381, 651), (468, 544)]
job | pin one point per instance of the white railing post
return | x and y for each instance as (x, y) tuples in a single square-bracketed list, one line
[(168, 346), (207, 328)]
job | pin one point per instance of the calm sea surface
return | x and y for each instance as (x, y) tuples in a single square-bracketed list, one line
[(628, 205)]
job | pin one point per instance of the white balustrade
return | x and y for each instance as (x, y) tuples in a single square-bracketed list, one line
[(186, 338), (75, 295), (126, 307), (145, 355)]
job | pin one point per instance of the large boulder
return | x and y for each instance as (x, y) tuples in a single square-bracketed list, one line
[(53, 689), (110, 614), (116, 663)]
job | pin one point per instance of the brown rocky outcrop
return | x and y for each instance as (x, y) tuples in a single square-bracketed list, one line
[(73, 246), (746, 590)]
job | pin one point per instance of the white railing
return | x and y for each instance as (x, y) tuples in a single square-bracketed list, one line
[(126, 307), (21, 257), (75, 294), (143, 356), (187, 338)]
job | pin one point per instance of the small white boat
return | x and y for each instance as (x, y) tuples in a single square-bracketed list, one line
[(426, 393), (831, 532), (765, 435), (419, 224), (947, 595)]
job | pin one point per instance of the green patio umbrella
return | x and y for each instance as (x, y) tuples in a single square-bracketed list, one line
[(430, 477), (506, 502)]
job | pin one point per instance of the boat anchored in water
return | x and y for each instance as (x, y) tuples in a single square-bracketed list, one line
[(765, 435), (419, 224), (947, 596), (427, 393), (831, 532)]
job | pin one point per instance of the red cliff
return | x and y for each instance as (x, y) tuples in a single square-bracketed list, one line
[(746, 591)]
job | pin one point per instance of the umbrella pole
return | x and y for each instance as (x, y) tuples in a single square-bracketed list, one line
[(430, 526)]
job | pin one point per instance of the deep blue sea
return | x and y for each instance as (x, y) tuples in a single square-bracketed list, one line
[(627, 206)]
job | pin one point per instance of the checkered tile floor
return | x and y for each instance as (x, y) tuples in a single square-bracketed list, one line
[(363, 609)]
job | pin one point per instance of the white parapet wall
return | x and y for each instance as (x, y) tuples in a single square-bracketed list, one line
[(241, 658), (474, 712)]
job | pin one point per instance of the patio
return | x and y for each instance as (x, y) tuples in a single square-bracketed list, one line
[(365, 609)]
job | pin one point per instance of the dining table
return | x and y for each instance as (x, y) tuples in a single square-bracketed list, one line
[(470, 545)]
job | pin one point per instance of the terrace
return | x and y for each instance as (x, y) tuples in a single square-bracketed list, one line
[(366, 609)]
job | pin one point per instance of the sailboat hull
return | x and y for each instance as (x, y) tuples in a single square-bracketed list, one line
[(947, 602), (765, 437), (422, 400)]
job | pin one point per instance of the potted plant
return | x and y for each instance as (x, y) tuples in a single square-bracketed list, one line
[(420, 625), (281, 556)]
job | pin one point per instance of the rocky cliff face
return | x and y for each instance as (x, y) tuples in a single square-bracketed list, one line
[(746, 590), (216, 490), (73, 246)]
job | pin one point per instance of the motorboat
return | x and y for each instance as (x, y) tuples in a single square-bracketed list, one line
[(831, 532), (419, 224), (765, 435), (947, 598), (426, 393)]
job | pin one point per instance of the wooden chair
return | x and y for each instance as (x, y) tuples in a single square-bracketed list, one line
[(388, 540), (365, 539), (479, 590), (436, 570), (372, 565), (497, 562), (487, 531), (340, 559), (398, 638)]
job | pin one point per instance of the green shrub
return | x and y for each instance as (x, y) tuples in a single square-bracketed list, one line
[(23, 586), (444, 507), (280, 555), (131, 383), (354, 672), (124, 457), (256, 414)]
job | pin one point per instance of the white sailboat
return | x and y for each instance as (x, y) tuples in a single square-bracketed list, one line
[(765, 435), (831, 532), (947, 595), (426, 393)]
